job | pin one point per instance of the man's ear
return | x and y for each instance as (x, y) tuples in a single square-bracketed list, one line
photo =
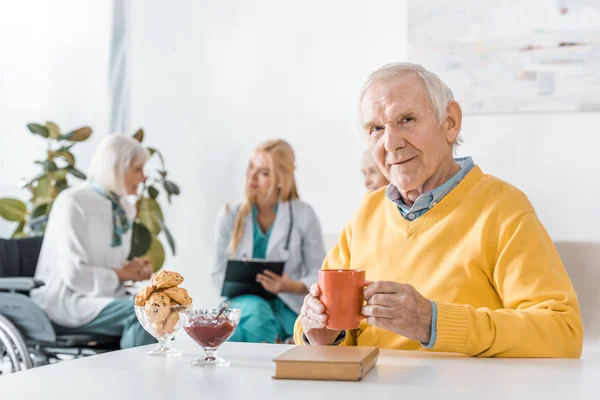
[(453, 122)]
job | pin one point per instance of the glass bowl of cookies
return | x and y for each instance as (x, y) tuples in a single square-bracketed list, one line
[(157, 308)]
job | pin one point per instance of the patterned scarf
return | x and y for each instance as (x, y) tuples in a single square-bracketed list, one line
[(120, 222)]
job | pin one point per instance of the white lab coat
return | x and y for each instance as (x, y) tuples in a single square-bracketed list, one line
[(77, 261), (306, 249)]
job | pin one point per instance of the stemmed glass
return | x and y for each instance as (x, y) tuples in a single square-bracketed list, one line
[(163, 327), (210, 332)]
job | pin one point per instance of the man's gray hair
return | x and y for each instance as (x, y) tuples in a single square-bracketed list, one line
[(113, 157), (439, 93)]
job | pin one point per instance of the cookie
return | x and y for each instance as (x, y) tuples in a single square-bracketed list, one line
[(172, 320), (166, 279), (179, 295), (142, 296), (158, 308)]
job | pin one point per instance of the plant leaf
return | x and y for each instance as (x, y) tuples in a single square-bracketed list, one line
[(19, 232), (156, 253), (78, 135), (76, 173), (61, 184), (139, 135), (43, 192), (38, 129), (65, 154), (66, 148), (49, 166), (53, 130), (141, 239), (152, 192), (150, 214), (60, 174), (44, 209), (13, 210), (37, 178), (171, 187), (170, 239)]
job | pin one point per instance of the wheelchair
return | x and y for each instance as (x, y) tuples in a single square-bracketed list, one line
[(27, 336)]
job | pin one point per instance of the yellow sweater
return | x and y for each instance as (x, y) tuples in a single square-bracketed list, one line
[(486, 260)]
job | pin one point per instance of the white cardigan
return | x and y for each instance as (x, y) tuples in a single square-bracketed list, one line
[(303, 259), (77, 261)]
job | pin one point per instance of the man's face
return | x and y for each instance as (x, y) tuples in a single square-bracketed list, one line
[(403, 133)]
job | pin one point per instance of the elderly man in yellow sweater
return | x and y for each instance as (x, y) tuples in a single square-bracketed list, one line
[(458, 259)]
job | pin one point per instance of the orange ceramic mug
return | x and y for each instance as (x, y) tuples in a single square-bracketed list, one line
[(342, 296)]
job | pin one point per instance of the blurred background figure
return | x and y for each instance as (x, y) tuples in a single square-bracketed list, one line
[(374, 178), (83, 260), (270, 223)]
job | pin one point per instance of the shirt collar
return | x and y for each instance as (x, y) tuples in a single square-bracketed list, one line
[(431, 198)]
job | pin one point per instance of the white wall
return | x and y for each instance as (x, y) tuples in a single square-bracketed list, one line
[(553, 158), (212, 79), (53, 66)]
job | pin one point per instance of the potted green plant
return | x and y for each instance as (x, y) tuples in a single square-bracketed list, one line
[(149, 221), (56, 168), (53, 178)]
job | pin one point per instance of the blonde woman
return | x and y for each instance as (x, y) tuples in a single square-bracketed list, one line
[(270, 223), (83, 260)]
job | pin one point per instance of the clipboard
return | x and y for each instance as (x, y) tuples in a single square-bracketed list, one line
[(240, 277)]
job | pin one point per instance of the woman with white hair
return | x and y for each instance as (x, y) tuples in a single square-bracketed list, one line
[(271, 223), (83, 260)]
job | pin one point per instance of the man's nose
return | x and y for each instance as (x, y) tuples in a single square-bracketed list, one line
[(393, 138)]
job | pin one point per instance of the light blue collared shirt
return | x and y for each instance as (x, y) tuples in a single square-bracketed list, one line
[(428, 200), (424, 203)]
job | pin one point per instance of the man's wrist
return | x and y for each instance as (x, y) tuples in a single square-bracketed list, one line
[(433, 336)]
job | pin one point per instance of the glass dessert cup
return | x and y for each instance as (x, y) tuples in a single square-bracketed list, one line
[(163, 325), (202, 326)]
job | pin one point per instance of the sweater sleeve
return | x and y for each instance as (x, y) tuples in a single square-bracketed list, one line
[(541, 316)]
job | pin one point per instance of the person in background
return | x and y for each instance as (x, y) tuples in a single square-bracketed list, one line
[(270, 223), (374, 178), (83, 260), (459, 260)]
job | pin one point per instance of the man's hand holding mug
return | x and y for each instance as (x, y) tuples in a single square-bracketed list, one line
[(337, 303)]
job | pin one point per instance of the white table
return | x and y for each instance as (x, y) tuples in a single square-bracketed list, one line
[(131, 374)]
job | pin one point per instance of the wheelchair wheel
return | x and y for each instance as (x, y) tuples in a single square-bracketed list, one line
[(14, 354)]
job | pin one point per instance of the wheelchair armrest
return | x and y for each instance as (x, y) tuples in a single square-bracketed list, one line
[(20, 284)]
